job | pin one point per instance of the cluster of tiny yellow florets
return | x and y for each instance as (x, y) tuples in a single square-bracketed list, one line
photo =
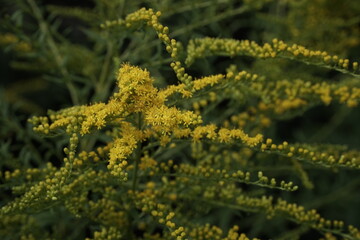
[(150, 17), (234, 235), (285, 95), (292, 211), (208, 231), (140, 113), (161, 212), (317, 12), (9, 227), (328, 236), (338, 158), (189, 178), (299, 214), (146, 200), (108, 212), (137, 95), (147, 162), (39, 193), (187, 173), (279, 96), (199, 48), (233, 196), (17, 44), (110, 233)]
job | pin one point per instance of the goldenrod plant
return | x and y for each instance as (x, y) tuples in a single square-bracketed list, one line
[(206, 119)]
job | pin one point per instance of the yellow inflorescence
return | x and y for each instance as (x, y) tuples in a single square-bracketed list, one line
[(142, 124), (150, 17), (199, 48), (17, 44), (138, 95)]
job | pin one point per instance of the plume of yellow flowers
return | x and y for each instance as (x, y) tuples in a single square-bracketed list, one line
[(137, 95)]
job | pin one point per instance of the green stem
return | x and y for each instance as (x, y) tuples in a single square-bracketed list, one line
[(55, 51), (102, 83), (137, 156), (329, 128), (137, 160), (207, 21)]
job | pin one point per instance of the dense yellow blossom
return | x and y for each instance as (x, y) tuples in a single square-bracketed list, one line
[(165, 157)]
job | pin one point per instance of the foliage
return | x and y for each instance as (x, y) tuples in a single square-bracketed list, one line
[(180, 120)]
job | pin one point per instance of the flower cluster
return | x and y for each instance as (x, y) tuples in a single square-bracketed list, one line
[(154, 161), (199, 48)]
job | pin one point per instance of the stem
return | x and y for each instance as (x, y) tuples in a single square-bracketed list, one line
[(54, 50), (180, 31), (334, 122), (191, 7), (137, 160), (207, 21), (101, 84), (137, 156)]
